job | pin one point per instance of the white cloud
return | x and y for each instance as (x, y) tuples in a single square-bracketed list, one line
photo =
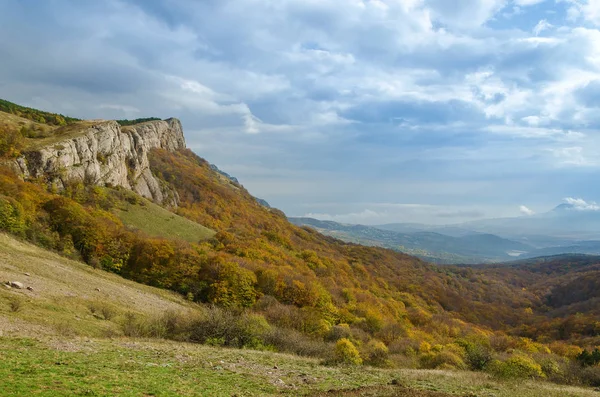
[(449, 99), (528, 2), (590, 10), (582, 205), (573, 156), (364, 217), (526, 211), (541, 26)]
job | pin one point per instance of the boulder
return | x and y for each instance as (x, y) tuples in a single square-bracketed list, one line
[(17, 285)]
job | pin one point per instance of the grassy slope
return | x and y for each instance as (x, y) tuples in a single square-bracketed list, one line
[(156, 221), (54, 346), (14, 122), (55, 134), (63, 290), (62, 134)]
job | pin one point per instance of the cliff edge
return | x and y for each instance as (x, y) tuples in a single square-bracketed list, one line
[(106, 154)]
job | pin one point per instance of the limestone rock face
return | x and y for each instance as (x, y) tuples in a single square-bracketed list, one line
[(107, 154)]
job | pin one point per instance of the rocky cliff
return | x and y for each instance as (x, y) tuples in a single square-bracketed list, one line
[(104, 153)]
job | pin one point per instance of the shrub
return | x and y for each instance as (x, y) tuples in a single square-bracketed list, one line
[(11, 143), (338, 332), (551, 367), (346, 353), (587, 359), (12, 216), (518, 366), (501, 342), (441, 360), (133, 326), (175, 324), (376, 353), (15, 304), (404, 346), (65, 328), (477, 354), (590, 376), (102, 309), (292, 341), (236, 330), (565, 350)]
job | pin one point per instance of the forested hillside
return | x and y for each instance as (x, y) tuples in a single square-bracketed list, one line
[(378, 306)]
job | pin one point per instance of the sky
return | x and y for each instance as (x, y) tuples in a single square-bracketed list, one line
[(359, 111)]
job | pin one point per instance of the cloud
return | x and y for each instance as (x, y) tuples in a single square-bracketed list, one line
[(573, 156), (582, 205), (526, 211), (364, 217), (541, 26), (590, 10), (528, 2), (455, 104)]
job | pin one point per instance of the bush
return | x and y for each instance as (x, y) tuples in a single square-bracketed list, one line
[(376, 353), (235, 330), (518, 366), (565, 350), (346, 353), (477, 354), (65, 328), (404, 346), (441, 360), (11, 143), (133, 326), (102, 309), (292, 341), (590, 376), (12, 216), (338, 332), (15, 304), (587, 359)]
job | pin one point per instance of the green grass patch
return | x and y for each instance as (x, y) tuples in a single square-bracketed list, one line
[(156, 221), (129, 367)]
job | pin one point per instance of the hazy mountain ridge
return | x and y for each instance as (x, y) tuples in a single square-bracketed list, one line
[(429, 245), (566, 229)]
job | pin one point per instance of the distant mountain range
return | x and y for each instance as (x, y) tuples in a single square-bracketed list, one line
[(566, 229)]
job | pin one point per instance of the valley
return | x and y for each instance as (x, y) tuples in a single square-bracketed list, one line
[(473, 243), (127, 236)]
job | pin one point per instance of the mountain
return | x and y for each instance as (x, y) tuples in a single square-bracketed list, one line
[(448, 230), (132, 200), (233, 179), (570, 282), (566, 221), (428, 245), (66, 336)]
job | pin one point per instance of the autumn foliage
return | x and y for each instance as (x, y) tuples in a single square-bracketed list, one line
[(373, 305)]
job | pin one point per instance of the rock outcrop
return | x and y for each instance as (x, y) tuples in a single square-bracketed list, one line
[(106, 154)]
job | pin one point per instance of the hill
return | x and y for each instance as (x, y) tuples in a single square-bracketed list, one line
[(277, 286), (67, 338), (157, 221), (568, 284), (429, 245)]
